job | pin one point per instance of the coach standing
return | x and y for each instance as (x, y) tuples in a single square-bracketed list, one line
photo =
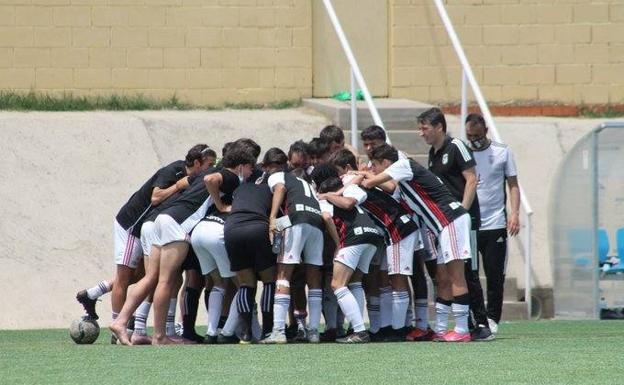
[(452, 162), (495, 166)]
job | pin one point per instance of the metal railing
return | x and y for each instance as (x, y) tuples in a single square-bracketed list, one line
[(468, 78), (356, 78)]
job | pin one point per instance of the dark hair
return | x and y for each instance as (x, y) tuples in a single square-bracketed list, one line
[(475, 119), (318, 147), (197, 152), (251, 146), (385, 151), (236, 156), (323, 172), (226, 148), (433, 116), (275, 156), (298, 146), (330, 184), (209, 152), (332, 133), (300, 173), (342, 158), (373, 133)]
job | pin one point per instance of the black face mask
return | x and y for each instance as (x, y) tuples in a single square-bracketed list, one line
[(480, 143)]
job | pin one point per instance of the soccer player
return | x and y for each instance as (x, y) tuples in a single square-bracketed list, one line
[(302, 241), (495, 167), (334, 136), (357, 239), (249, 251), (401, 236), (318, 151), (444, 215), (172, 227), (128, 252)]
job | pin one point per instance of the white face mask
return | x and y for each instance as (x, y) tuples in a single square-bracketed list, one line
[(241, 178), (479, 144)]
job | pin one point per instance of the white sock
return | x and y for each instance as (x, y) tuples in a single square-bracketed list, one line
[(422, 313), (460, 312), (140, 317), (330, 309), (442, 314), (373, 314), (385, 306), (232, 320), (99, 290), (280, 311), (170, 325), (215, 305), (400, 303), (315, 301), (358, 292), (350, 308)]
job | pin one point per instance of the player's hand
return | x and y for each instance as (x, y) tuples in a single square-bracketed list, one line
[(357, 179), (321, 196), (182, 183), (513, 224), (226, 209), (272, 229)]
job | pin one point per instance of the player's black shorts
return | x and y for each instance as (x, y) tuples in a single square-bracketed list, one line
[(248, 246), (329, 249), (191, 262)]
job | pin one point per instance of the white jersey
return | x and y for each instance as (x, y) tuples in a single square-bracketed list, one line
[(494, 165)]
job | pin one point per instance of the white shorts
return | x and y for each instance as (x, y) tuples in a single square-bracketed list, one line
[(209, 245), (400, 256), (454, 241), (303, 239), (148, 237), (357, 256), (127, 248), (168, 231)]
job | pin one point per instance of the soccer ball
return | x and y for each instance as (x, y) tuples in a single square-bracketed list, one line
[(84, 330)]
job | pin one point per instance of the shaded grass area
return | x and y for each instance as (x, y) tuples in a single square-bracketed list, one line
[(35, 101), (541, 352)]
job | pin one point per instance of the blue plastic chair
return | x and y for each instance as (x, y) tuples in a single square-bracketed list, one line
[(619, 239), (603, 245)]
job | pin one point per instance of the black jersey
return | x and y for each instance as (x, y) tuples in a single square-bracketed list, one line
[(141, 201), (195, 200), (355, 227), (251, 202), (214, 215), (300, 203), (385, 211), (448, 163), (426, 194)]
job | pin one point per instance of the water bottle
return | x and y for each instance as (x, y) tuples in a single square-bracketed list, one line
[(277, 243)]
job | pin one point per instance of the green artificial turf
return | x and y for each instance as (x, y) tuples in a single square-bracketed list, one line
[(539, 352)]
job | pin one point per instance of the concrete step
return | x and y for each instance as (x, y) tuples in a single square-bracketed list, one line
[(396, 114), (407, 141)]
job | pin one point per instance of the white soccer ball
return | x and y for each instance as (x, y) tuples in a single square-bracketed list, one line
[(84, 330)]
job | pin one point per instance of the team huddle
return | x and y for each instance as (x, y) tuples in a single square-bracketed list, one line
[(330, 235)]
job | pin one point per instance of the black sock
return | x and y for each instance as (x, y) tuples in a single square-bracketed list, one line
[(191, 302), (266, 305), (246, 304)]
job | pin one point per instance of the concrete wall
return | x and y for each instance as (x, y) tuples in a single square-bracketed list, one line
[(206, 52), (521, 50)]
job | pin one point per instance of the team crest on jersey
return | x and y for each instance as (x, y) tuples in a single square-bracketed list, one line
[(445, 159)]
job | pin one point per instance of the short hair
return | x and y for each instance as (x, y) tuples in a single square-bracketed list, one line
[(298, 146), (237, 156), (197, 152), (332, 134), (433, 116), (373, 132), (475, 119), (385, 151), (330, 184), (209, 152), (226, 148), (250, 145), (318, 147), (300, 173), (275, 156), (323, 172), (342, 158)]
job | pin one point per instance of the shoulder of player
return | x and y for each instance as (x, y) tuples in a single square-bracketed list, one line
[(498, 145), (465, 152)]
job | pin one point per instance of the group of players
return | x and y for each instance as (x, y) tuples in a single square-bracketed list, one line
[(328, 235)]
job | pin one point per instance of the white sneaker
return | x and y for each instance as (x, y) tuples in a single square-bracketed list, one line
[(493, 326), (276, 337), (313, 336)]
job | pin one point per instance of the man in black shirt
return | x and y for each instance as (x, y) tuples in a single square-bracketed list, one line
[(452, 161), (128, 251)]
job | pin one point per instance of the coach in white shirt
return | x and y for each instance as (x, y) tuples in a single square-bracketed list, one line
[(495, 166)]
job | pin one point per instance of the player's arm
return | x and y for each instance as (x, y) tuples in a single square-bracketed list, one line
[(388, 186), (213, 183), (279, 193), (340, 201), (513, 222), (330, 227), (376, 180), (470, 191), (159, 194)]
